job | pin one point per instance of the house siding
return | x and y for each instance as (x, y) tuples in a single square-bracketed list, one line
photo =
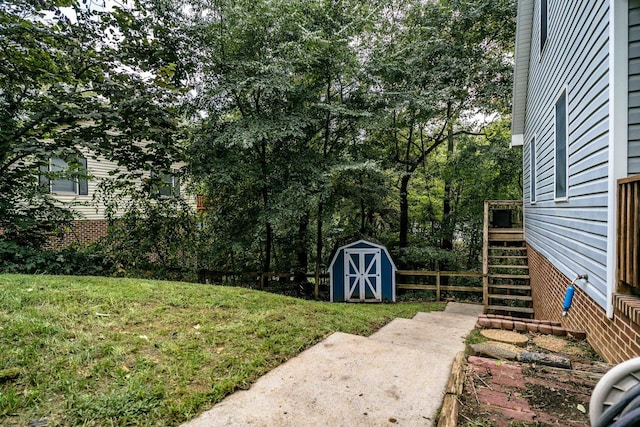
[(634, 87), (571, 234), (90, 209)]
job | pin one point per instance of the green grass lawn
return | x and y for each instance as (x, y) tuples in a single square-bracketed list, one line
[(99, 351)]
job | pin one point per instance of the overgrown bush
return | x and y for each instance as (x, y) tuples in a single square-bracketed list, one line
[(155, 238), (73, 260)]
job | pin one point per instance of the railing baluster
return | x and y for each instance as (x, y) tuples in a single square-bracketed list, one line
[(628, 250), (621, 237), (485, 257), (634, 233), (628, 241)]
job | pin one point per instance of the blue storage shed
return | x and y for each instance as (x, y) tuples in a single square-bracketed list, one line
[(362, 272)]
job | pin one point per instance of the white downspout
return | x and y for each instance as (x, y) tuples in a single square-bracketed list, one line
[(618, 125)]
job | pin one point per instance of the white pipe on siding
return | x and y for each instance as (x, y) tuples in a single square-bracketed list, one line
[(618, 121)]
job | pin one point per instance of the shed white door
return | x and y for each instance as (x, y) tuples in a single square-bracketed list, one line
[(362, 274)]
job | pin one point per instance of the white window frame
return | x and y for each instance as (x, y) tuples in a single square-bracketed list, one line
[(565, 197), (170, 181)]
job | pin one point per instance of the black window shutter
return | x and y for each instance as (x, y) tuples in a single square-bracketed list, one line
[(83, 184)]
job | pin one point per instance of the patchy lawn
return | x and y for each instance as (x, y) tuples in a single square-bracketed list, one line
[(99, 351)]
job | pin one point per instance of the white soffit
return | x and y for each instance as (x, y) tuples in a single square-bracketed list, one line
[(524, 25), (517, 140)]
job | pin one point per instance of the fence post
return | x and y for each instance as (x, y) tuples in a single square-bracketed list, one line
[(438, 286), (485, 257)]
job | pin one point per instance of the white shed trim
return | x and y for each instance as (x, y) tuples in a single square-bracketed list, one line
[(517, 140)]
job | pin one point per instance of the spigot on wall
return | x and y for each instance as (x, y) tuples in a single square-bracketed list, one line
[(568, 298)]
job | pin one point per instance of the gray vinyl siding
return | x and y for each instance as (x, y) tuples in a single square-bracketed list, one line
[(571, 234), (634, 87)]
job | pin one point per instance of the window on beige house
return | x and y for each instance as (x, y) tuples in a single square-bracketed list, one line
[(62, 184)]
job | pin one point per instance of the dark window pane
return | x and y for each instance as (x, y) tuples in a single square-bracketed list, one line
[(61, 185), (83, 185), (43, 180), (543, 23), (561, 147)]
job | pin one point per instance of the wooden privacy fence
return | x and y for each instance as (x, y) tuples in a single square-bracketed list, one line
[(438, 287), (629, 231), (402, 276), (265, 278)]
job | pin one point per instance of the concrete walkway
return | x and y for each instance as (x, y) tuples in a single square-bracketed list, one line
[(395, 377)]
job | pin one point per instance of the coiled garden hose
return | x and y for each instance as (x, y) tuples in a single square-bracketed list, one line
[(632, 418), (616, 409), (635, 403)]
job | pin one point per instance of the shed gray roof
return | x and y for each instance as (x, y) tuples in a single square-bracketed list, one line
[(524, 25)]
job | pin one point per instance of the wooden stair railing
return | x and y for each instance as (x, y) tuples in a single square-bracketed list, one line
[(506, 282)]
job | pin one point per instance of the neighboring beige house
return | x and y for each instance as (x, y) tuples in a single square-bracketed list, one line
[(79, 194)]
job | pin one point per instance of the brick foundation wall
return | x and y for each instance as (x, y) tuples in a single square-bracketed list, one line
[(82, 232), (616, 340)]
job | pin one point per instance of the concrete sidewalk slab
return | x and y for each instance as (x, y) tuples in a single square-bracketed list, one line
[(428, 337), (460, 313), (441, 332), (464, 309), (349, 380)]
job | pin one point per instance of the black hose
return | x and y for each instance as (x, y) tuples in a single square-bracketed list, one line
[(628, 420), (607, 417), (635, 403)]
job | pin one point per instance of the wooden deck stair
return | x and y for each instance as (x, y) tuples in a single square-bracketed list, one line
[(507, 288)]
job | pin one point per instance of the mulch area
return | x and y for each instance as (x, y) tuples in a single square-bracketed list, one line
[(509, 393)]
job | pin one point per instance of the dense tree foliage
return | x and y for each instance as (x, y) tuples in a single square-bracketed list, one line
[(319, 115), (310, 122), (439, 63), (282, 101)]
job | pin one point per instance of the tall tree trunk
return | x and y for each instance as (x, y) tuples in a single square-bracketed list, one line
[(363, 212), (325, 152), (316, 290), (302, 253), (266, 268), (370, 216), (447, 220), (267, 251), (404, 210)]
